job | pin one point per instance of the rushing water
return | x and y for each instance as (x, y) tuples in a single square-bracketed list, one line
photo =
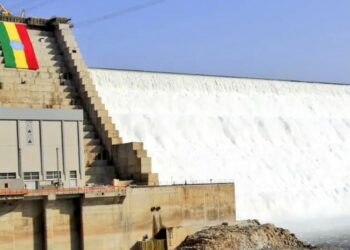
[(285, 144)]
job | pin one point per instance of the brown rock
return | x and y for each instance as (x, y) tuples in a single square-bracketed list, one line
[(244, 235)]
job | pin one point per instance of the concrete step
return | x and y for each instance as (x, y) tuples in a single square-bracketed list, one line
[(89, 134), (92, 156), (50, 88), (116, 140), (21, 105), (50, 56), (47, 72), (94, 148), (78, 107), (47, 62), (54, 57), (38, 39), (89, 128), (108, 126), (141, 153), (45, 58), (35, 80), (35, 96), (91, 141), (75, 107), (42, 40), (55, 94), (33, 33), (53, 69), (45, 49), (99, 163), (34, 104), (52, 47), (49, 91), (96, 169), (113, 133)]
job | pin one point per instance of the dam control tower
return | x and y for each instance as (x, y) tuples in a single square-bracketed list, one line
[(67, 179)]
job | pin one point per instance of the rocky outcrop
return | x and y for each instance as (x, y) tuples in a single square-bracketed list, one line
[(242, 236)]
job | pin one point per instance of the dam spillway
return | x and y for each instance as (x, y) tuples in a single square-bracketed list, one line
[(284, 143)]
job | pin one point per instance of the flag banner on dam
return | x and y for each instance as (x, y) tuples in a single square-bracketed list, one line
[(17, 47)]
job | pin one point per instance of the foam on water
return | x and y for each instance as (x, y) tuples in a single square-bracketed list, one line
[(285, 144)]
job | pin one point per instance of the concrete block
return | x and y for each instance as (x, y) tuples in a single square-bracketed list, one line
[(51, 197), (146, 165), (137, 145), (141, 153), (116, 140)]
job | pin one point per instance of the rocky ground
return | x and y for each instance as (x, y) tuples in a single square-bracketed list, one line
[(244, 235)]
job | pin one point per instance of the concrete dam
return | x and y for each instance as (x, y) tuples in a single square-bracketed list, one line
[(284, 143), (68, 178), (113, 159)]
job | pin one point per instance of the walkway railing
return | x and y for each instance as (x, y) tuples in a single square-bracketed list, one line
[(13, 192), (196, 182), (62, 191), (100, 189)]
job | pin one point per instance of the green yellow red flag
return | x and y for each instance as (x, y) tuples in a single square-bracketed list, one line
[(17, 47)]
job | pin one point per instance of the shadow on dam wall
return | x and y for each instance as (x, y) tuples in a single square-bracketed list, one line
[(22, 224), (40, 224), (106, 223)]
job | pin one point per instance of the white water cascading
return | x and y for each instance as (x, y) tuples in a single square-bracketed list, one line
[(285, 144)]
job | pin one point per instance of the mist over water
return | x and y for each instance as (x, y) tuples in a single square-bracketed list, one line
[(286, 145)]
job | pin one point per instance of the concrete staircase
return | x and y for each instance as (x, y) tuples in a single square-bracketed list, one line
[(135, 165), (63, 82)]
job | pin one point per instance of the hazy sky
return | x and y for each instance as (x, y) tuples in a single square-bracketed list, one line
[(289, 39)]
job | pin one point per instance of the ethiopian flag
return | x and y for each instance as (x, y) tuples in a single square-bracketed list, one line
[(16, 46)]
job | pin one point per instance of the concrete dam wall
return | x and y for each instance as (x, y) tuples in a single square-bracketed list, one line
[(67, 178), (285, 144), (112, 222)]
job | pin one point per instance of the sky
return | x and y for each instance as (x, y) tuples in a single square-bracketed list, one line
[(290, 39)]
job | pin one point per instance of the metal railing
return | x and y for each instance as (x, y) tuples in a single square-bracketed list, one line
[(62, 191), (196, 182), (34, 21), (121, 190), (13, 192)]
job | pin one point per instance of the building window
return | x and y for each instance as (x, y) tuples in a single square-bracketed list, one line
[(51, 175), (73, 174), (7, 176), (31, 175)]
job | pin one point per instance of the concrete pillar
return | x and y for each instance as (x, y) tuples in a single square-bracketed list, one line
[(62, 224), (21, 226), (103, 224)]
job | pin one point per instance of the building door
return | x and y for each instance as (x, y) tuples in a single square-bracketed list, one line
[(73, 180), (30, 179)]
